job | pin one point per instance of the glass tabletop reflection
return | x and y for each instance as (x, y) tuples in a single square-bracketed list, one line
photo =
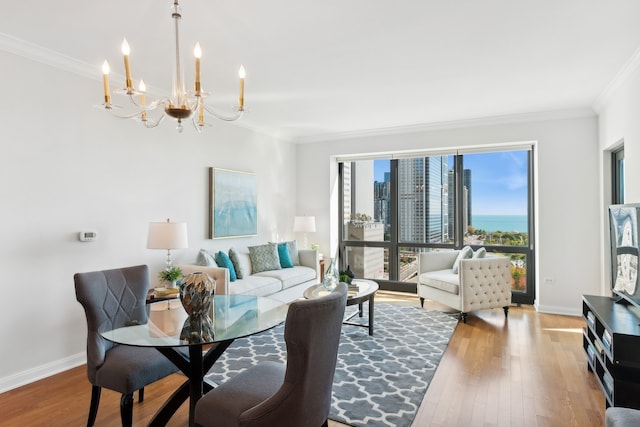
[(230, 317)]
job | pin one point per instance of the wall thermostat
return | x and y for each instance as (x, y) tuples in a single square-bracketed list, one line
[(87, 236)]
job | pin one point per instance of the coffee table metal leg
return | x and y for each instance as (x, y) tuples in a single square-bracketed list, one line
[(371, 314)]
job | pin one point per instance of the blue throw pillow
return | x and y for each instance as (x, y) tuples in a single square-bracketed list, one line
[(283, 253), (223, 260)]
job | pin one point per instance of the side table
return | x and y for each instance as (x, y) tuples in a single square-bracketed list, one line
[(366, 292)]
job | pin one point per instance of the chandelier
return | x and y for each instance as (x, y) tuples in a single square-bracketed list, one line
[(182, 104)]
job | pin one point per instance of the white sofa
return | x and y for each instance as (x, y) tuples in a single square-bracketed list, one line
[(286, 284), (479, 283)]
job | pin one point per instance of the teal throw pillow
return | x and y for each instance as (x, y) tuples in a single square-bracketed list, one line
[(264, 257), (283, 254), (464, 253), (224, 261)]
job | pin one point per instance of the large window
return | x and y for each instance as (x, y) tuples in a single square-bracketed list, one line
[(392, 209)]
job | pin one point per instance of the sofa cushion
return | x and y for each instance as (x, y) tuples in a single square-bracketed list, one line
[(283, 254), (464, 253), (206, 259), (290, 276), (224, 261), (256, 286), (264, 257), (445, 280), (241, 261)]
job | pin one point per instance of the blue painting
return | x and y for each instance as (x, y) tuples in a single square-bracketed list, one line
[(233, 204)]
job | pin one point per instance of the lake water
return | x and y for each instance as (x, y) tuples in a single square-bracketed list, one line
[(500, 222)]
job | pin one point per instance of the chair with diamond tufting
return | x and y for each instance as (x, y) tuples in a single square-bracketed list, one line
[(296, 395), (113, 299)]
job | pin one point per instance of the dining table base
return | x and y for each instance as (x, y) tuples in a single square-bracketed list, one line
[(194, 367)]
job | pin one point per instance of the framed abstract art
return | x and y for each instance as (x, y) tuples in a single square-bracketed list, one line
[(232, 204)]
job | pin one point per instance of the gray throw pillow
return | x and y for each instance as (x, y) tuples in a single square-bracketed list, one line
[(264, 257), (206, 258)]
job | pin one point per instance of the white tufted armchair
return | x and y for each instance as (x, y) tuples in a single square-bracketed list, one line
[(479, 283)]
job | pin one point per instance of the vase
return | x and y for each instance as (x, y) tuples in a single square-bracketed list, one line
[(197, 330), (331, 277), (196, 294), (350, 273)]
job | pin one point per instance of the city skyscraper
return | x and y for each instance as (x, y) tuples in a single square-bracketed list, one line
[(423, 199)]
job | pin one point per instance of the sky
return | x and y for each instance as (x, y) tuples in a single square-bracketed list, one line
[(498, 181)]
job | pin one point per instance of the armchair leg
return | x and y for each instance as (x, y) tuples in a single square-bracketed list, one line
[(126, 410), (463, 316), (93, 407), (141, 395), (506, 310), (421, 302)]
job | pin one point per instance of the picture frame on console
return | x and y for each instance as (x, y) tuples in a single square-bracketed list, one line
[(232, 204), (623, 221)]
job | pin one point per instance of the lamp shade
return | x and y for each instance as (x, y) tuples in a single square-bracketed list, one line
[(304, 224), (167, 235)]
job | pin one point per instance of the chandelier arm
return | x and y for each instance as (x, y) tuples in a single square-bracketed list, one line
[(223, 117), (151, 123), (125, 116)]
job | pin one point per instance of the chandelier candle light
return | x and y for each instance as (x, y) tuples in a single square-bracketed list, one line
[(182, 104)]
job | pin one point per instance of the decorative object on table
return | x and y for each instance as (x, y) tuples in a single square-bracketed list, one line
[(411, 358), (182, 104), (170, 276), (196, 294), (167, 235), (315, 247), (197, 330), (347, 275), (304, 224), (232, 204), (331, 277)]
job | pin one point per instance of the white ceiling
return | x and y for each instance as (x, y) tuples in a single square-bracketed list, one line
[(317, 69)]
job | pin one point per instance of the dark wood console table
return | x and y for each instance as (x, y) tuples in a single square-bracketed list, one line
[(611, 342)]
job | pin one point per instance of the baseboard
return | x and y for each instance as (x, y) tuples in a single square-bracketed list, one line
[(553, 309), (39, 372)]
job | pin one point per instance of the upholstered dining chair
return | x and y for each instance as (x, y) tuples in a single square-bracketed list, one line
[(113, 299), (296, 395)]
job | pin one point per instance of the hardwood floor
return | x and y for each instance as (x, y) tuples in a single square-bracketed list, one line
[(529, 370)]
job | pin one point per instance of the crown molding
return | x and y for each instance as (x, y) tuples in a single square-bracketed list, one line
[(46, 56), (453, 124), (621, 77)]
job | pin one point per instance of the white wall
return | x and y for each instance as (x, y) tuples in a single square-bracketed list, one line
[(618, 123), (567, 208), (66, 166)]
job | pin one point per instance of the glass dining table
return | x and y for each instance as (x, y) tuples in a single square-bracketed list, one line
[(194, 345)]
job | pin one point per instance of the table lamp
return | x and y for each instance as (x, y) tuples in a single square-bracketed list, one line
[(304, 224), (167, 235)]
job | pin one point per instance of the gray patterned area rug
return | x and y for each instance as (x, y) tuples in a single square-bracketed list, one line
[(380, 380)]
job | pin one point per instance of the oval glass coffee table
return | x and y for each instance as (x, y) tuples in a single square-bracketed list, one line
[(366, 291)]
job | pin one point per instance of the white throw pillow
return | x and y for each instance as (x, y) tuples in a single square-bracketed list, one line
[(465, 252), (480, 253)]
